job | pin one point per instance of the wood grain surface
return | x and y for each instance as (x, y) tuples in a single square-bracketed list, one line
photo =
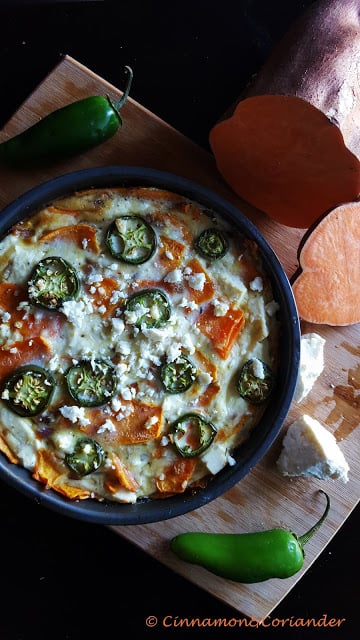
[(263, 499)]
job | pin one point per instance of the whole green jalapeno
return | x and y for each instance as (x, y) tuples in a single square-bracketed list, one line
[(66, 132), (247, 557)]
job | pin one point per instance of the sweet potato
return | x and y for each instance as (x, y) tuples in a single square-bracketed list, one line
[(282, 155), (22, 352), (221, 330), (49, 472), (24, 322), (83, 235), (318, 60), (143, 423), (327, 287), (176, 476), (267, 148), (119, 476), (203, 293)]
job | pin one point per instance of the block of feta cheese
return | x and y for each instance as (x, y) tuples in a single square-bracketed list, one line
[(310, 450), (311, 364)]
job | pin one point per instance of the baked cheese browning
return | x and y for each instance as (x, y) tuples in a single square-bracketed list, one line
[(142, 306)]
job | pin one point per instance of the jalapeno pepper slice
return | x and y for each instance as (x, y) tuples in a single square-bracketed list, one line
[(256, 381), (212, 244), (131, 239), (86, 457), (192, 434), (52, 282), (91, 383), (149, 308), (28, 390), (179, 375)]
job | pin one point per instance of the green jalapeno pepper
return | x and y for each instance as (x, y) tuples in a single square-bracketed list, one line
[(66, 132), (179, 375), (255, 381), (52, 282), (192, 434), (28, 390), (247, 557), (148, 308), (212, 244), (86, 457), (91, 383), (131, 239)]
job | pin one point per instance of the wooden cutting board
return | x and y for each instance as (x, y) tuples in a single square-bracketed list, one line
[(263, 499)]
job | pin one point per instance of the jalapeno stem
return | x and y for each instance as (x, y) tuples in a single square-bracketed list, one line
[(306, 536), (118, 105)]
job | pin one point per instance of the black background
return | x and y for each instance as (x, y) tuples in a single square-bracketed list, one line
[(66, 580)]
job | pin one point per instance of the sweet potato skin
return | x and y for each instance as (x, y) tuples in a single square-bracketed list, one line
[(318, 60)]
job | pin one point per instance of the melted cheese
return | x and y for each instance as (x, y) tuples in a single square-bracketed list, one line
[(95, 324)]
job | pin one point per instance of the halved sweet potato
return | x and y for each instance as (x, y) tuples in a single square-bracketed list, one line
[(327, 288), (297, 160), (318, 60), (285, 157)]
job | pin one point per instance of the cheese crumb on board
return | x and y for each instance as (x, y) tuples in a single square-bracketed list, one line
[(311, 364), (309, 450)]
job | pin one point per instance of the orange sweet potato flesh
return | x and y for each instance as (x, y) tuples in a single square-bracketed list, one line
[(286, 158), (22, 352), (221, 330), (76, 233), (327, 287), (318, 60)]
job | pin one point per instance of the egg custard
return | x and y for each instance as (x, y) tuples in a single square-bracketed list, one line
[(139, 344)]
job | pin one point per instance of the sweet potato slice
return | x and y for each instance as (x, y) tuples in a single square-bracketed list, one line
[(83, 235), (119, 476), (170, 253), (143, 422), (285, 157), (203, 398), (102, 295), (221, 330), (176, 476), (24, 322), (22, 352), (48, 472), (202, 292), (327, 289)]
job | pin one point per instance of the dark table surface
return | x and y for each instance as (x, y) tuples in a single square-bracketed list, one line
[(63, 579)]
